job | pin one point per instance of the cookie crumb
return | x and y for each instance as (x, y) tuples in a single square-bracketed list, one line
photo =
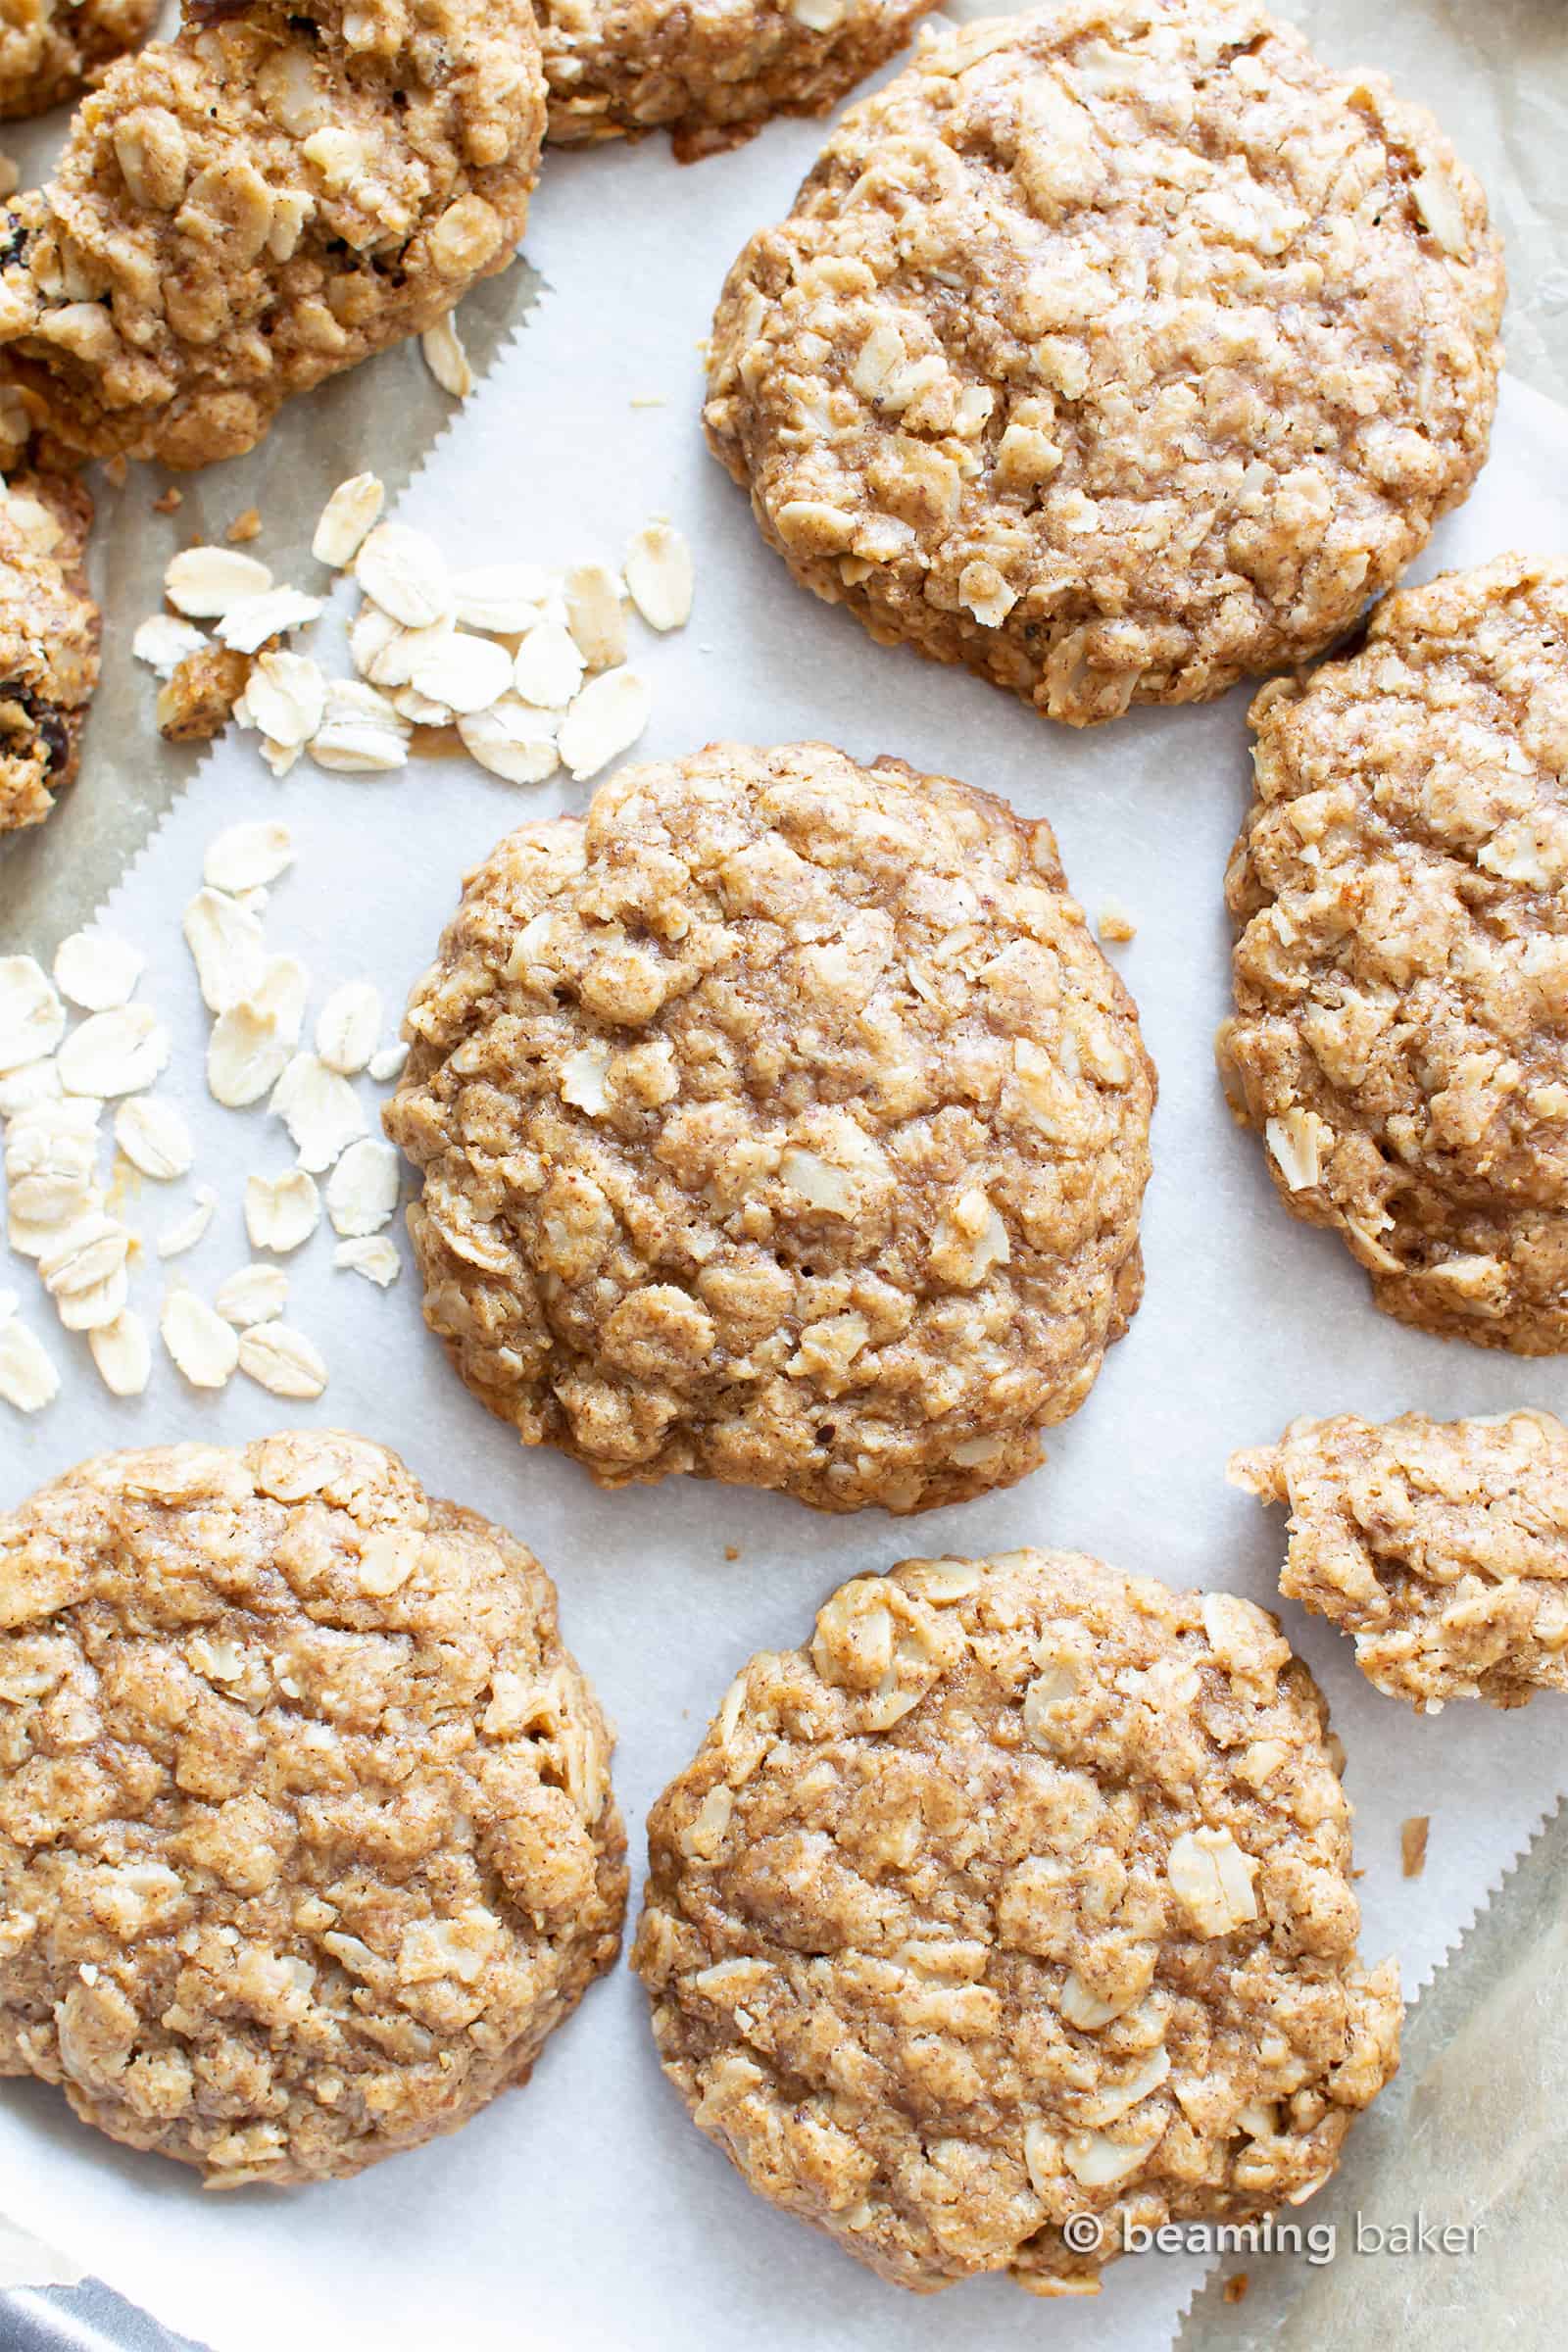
[(1115, 923), (1235, 2290), (170, 501), (244, 527), (1413, 1845), (732, 1551)]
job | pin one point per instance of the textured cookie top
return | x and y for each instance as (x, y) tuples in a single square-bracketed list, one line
[(1401, 972), (268, 198), (47, 52), (49, 632), (1442, 1547), (306, 1830), (1118, 350), (783, 1123), (1022, 1892), (710, 71)]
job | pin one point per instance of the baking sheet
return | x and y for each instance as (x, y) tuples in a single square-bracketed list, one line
[(588, 2206)]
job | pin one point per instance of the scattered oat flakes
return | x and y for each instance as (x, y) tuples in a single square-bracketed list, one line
[(39, 1082), (504, 599), (361, 733), (281, 1211), (548, 668), (465, 673), (123, 1354), (247, 857), (32, 1019), (281, 1361), (596, 616), (348, 1026), (163, 643), (388, 1063), (361, 1192), (320, 1108), (604, 720), (154, 1137), (97, 971), (188, 1230), (114, 1053), (205, 582), (256, 1293), (1413, 1845), (279, 756), (228, 947), (446, 360), (85, 1271), (348, 514), (248, 624), (375, 1258), (1115, 923), (285, 698), (659, 574), (404, 572), (418, 709), (205, 1349), (512, 740), (27, 1378)]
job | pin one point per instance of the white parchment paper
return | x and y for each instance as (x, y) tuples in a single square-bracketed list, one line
[(587, 2209)]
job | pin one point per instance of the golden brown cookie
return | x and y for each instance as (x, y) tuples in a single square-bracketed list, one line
[(1022, 1896), (1118, 351), (707, 73), (307, 1839), (1439, 1547), (271, 197), (782, 1123), (50, 48), (1400, 888), (49, 635)]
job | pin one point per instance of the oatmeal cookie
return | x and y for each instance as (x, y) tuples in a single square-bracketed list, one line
[(307, 1839), (49, 633), (1439, 1547), (780, 1122), (267, 199), (1023, 1892), (50, 48), (1400, 885), (710, 74), (1118, 350)]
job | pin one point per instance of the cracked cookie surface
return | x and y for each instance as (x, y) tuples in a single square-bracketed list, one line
[(1439, 1547), (782, 1123), (1401, 889), (49, 48), (1119, 349), (1022, 1892), (49, 637), (710, 74), (267, 199), (307, 1839)]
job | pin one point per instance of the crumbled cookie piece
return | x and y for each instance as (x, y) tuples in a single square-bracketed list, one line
[(1439, 1547), (305, 1825), (49, 52), (49, 636), (1116, 352), (1413, 1835), (199, 697), (1401, 890), (1022, 1892), (709, 73), (782, 1123), (265, 200)]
